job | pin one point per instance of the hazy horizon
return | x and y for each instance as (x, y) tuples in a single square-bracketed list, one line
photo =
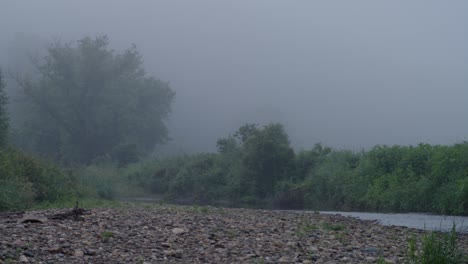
[(348, 74)]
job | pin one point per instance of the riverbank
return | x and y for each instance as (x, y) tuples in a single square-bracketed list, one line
[(181, 234)]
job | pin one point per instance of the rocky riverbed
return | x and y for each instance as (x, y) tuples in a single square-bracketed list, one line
[(178, 234)]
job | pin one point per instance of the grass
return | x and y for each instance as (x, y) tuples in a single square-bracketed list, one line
[(381, 260), (106, 235), (305, 228), (199, 209), (231, 233), (258, 261), (435, 248), (333, 227)]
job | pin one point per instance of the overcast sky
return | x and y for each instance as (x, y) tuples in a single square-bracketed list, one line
[(348, 74)]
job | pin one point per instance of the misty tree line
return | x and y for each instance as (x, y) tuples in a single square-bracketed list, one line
[(89, 116), (257, 167)]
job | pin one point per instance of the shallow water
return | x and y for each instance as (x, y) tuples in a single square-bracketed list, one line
[(420, 221)]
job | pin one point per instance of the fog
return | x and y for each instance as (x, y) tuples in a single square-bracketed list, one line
[(348, 74)]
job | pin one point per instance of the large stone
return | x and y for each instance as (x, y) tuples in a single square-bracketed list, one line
[(166, 245), (173, 253), (78, 253), (55, 249), (178, 231), (18, 243), (23, 259), (285, 259), (371, 250), (91, 252)]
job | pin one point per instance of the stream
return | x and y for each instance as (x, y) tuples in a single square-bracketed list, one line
[(414, 220)]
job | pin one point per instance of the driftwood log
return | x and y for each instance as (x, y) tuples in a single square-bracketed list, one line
[(75, 214)]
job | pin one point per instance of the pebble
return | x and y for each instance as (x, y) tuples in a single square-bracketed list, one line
[(178, 231), (78, 253), (284, 259), (178, 234)]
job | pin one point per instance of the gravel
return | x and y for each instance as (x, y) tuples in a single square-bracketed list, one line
[(181, 234)]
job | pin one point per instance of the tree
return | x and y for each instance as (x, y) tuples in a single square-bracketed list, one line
[(3, 113), (90, 101), (246, 131), (268, 158), (226, 145)]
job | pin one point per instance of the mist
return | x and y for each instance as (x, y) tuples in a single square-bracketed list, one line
[(346, 74)]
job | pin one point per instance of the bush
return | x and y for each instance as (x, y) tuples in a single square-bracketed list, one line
[(16, 194), (25, 180), (435, 248)]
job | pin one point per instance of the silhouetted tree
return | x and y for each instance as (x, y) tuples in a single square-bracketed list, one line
[(90, 101)]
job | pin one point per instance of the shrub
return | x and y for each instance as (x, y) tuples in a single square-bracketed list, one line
[(435, 248), (25, 180)]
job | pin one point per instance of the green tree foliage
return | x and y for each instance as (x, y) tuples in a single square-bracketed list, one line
[(257, 166), (3, 113), (226, 145), (90, 101), (267, 157)]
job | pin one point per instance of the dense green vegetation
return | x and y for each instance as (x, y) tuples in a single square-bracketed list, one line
[(435, 248), (257, 166), (96, 115), (26, 180)]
